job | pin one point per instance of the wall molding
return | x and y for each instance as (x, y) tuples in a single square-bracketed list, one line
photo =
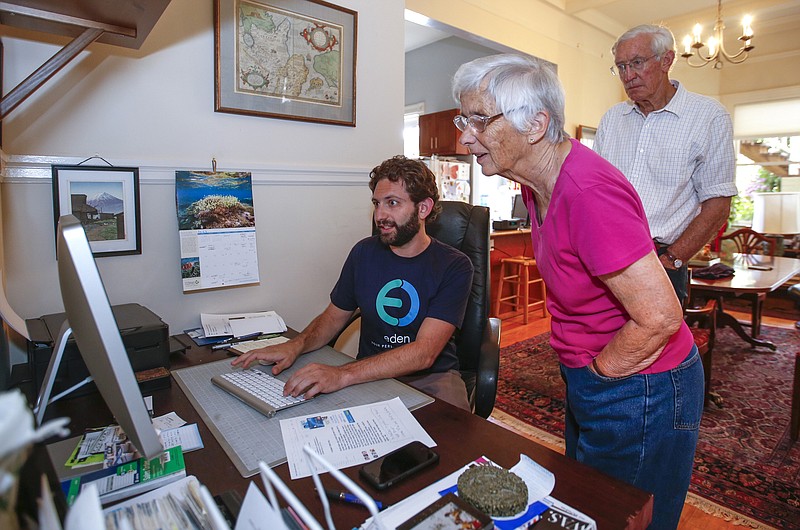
[(29, 169)]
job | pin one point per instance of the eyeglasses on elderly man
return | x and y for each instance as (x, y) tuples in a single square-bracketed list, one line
[(634, 65)]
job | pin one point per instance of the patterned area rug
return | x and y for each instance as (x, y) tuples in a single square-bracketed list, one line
[(744, 461)]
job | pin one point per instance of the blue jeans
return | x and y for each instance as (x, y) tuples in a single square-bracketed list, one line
[(641, 429)]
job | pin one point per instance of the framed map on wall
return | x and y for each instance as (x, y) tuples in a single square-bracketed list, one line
[(288, 59)]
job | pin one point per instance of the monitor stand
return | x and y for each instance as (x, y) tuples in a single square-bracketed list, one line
[(50, 375)]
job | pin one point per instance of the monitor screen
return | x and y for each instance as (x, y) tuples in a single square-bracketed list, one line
[(97, 335), (519, 211)]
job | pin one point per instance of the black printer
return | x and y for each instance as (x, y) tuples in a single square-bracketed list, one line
[(144, 334)]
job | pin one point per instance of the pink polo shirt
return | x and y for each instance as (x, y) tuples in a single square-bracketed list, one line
[(595, 225)]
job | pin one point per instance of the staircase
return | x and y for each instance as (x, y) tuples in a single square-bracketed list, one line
[(762, 154)]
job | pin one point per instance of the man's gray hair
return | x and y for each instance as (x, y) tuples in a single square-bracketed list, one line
[(520, 85), (662, 38)]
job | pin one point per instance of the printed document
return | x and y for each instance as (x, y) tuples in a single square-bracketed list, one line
[(350, 436), (242, 324)]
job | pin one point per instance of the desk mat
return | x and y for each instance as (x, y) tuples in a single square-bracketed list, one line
[(247, 436)]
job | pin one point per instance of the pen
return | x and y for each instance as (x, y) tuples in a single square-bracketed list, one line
[(348, 497), (243, 340)]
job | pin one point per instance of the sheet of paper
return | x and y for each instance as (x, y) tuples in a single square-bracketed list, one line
[(220, 325), (187, 436), (244, 326), (48, 515), (86, 511), (168, 421), (350, 436), (149, 509), (257, 513)]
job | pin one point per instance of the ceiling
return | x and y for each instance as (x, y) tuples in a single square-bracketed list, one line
[(615, 16)]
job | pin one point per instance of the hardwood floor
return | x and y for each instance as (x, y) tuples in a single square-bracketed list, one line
[(692, 518)]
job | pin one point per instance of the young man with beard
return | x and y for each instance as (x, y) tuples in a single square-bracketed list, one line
[(412, 292)]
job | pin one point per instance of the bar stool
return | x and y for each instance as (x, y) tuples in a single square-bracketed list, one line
[(521, 273)]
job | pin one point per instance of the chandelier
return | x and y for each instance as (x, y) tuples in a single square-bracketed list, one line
[(716, 44)]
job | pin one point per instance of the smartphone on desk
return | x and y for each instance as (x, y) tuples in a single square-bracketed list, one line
[(399, 464)]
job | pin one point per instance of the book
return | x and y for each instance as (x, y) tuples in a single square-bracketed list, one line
[(448, 512), (129, 479), (694, 262), (704, 258), (559, 516)]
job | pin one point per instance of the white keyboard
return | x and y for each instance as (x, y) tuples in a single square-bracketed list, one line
[(259, 389)]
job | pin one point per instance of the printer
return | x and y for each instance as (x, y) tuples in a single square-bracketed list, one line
[(144, 335)]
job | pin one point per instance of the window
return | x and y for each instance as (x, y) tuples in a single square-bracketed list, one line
[(767, 153), (411, 129), (764, 164)]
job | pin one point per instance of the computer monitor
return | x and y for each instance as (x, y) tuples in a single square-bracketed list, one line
[(95, 330), (519, 210)]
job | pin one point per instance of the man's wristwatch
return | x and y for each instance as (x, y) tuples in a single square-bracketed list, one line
[(676, 262)]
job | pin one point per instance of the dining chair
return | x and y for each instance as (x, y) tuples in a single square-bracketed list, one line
[(748, 241), (702, 322)]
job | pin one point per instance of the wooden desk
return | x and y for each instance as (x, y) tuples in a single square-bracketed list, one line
[(461, 437), (750, 283)]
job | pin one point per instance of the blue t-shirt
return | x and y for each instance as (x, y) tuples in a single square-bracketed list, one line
[(395, 294)]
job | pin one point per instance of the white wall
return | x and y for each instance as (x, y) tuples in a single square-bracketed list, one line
[(154, 109), (536, 27)]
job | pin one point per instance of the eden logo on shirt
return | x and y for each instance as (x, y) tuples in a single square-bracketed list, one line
[(384, 300)]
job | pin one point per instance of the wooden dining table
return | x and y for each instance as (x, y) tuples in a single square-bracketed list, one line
[(754, 276)]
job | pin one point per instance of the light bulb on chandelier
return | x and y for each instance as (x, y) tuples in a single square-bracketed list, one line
[(716, 44)]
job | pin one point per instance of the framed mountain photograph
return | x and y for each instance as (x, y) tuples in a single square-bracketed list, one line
[(105, 199)]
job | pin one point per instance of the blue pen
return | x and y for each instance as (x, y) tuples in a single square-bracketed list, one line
[(348, 497)]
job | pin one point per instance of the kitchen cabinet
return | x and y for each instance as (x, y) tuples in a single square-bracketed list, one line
[(438, 135)]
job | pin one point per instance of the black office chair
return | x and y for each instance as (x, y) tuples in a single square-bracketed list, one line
[(466, 227)]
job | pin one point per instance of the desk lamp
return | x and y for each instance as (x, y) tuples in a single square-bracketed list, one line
[(776, 214)]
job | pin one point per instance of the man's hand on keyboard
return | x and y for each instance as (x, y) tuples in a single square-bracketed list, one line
[(282, 356), (315, 379)]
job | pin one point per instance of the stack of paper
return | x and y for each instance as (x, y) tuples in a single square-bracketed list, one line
[(242, 324), (180, 504)]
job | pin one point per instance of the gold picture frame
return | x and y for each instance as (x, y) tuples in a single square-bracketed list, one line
[(287, 59)]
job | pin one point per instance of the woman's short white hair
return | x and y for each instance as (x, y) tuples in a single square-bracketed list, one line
[(520, 85)]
